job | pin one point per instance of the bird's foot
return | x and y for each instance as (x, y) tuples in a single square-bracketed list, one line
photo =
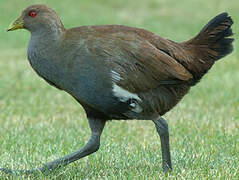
[(22, 172), (167, 169)]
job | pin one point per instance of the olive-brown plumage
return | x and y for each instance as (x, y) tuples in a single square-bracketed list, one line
[(120, 72)]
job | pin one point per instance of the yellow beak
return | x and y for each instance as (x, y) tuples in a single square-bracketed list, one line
[(18, 24)]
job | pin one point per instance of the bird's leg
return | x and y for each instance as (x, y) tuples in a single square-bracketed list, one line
[(91, 146), (162, 129), (96, 126)]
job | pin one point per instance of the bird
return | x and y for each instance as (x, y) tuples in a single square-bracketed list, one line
[(118, 72)]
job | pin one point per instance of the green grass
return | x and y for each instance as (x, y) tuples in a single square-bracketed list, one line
[(39, 123)]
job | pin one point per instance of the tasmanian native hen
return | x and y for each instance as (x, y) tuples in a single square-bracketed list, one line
[(119, 72)]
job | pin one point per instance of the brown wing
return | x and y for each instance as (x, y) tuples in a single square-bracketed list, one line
[(142, 66), (136, 57)]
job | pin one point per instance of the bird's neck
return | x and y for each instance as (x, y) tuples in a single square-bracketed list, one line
[(46, 36), (44, 42), (42, 49)]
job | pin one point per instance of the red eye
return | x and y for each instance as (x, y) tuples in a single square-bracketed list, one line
[(32, 14)]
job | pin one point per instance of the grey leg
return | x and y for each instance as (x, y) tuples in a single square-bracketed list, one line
[(162, 129), (91, 146)]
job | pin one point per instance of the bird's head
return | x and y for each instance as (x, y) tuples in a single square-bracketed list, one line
[(35, 18)]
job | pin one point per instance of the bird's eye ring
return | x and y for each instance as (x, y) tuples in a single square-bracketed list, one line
[(32, 14)]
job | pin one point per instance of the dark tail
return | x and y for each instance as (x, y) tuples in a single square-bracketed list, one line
[(211, 44)]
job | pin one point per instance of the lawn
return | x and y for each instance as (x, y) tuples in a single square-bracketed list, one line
[(39, 123)]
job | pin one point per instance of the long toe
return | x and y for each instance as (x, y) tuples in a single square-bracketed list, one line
[(167, 169)]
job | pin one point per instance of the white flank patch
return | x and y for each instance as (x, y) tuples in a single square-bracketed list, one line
[(115, 76), (123, 94)]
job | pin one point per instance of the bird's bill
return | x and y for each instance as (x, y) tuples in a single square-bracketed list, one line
[(18, 24)]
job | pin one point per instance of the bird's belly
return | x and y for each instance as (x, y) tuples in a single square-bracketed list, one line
[(88, 86), (93, 90)]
